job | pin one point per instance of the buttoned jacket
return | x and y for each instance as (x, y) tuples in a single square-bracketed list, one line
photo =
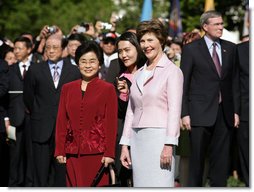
[(41, 97), (156, 103), (202, 83), (88, 124)]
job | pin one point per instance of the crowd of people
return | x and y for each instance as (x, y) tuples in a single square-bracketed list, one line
[(163, 111)]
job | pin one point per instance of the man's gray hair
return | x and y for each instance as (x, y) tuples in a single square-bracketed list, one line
[(207, 15)]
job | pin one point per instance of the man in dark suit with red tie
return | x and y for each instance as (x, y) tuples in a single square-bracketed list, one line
[(42, 89), (210, 104)]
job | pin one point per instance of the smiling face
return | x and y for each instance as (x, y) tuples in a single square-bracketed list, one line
[(89, 66), (151, 46), (127, 53)]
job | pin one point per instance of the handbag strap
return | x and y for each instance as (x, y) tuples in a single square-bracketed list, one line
[(112, 174), (100, 173)]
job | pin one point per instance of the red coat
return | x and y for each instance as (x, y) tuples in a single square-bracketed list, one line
[(87, 125)]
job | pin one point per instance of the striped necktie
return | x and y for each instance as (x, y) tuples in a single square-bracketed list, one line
[(56, 73)]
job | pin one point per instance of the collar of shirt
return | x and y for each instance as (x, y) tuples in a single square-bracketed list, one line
[(73, 61), (59, 64), (209, 44), (106, 60), (30, 57), (27, 63)]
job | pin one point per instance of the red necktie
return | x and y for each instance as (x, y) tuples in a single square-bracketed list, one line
[(217, 65)]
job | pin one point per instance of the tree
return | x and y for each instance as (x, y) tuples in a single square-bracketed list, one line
[(18, 16)]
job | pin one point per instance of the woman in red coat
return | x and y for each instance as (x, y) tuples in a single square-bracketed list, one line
[(87, 121)]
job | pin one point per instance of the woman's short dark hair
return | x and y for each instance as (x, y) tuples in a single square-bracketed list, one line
[(132, 38), (89, 46), (153, 26)]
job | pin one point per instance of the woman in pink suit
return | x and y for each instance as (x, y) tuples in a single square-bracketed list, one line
[(152, 122), (87, 121)]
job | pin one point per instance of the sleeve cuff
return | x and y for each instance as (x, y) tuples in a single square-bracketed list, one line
[(171, 140), (124, 141)]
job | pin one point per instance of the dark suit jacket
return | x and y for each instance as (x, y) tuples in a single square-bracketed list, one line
[(42, 98), (4, 85), (16, 107), (37, 58), (243, 60), (202, 83), (113, 71)]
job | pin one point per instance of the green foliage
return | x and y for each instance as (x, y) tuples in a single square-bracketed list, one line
[(232, 182), (18, 16)]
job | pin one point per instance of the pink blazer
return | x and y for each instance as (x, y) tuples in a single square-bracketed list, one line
[(158, 103)]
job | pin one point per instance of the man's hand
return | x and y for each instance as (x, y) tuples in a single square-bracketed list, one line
[(236, 120), (186, 122)]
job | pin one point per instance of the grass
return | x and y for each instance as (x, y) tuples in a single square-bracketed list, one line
[(233, 182)]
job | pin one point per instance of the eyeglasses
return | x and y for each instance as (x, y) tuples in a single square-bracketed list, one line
[(52, 47), (108, 42)]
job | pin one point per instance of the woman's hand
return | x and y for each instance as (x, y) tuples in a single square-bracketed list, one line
[(61, 159), (125, 157), (107, 161), (166, 157), (122, 86)]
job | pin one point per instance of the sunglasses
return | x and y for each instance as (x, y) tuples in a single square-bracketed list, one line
[(108, 42)]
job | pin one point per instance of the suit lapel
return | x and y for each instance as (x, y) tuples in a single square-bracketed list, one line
[(47, 74), (204, 50), (64, 73), (18, 72), (139, 80), (224, 58)]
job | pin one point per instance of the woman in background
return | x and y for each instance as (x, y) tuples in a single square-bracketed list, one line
[(130, 58)]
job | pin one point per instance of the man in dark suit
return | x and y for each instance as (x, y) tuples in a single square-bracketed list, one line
[(20, 153), (42, 89), (243, 131), (113, 71), (4, 84), (210, 104)]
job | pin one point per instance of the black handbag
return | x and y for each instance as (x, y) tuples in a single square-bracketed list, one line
[(112, 176)]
